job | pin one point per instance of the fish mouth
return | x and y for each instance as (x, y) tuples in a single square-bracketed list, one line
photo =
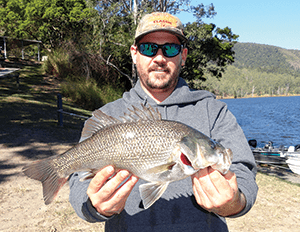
[(184, 159)]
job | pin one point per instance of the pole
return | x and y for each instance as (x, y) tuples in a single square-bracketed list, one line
[(59, 110)]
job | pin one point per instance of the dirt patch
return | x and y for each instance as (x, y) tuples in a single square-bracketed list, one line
[(29, 131), (277, 207), (22, 207)]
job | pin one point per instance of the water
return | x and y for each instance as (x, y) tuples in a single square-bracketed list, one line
[(275, 119)]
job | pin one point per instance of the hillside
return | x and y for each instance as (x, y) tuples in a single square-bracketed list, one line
[(258, 70), (267, 58)]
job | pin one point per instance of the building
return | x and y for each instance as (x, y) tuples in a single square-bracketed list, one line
[(21, 43)]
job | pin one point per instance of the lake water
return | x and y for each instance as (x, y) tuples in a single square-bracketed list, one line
[(275, 119)]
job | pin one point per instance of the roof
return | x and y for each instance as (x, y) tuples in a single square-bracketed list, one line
[(19, 42)]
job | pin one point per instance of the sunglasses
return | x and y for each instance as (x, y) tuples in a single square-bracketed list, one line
[(168, 49)]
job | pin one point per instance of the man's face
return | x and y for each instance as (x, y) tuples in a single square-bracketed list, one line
[(158, 73)]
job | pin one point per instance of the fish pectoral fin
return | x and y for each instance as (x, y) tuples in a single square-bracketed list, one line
[(151, 192), (86, 175), (161, 168)]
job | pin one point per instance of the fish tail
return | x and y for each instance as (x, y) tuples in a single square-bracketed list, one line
[(42, 170)]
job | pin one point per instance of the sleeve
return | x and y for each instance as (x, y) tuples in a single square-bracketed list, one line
[(80, 201), (226, 131)]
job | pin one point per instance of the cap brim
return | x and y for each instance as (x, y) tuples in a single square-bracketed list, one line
[(181, 37)]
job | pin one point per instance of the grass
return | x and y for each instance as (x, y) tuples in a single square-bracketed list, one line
[(35, 100), (277, 207)]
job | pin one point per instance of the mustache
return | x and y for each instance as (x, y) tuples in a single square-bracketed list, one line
[(159, 68)]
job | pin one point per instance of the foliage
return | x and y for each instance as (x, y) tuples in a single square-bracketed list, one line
[(85, 78), (101, 33), (115, 24), (49, 21), (252, 82), (210, 51), (258, 70), (266, 58), (57, 63), (89, 95)]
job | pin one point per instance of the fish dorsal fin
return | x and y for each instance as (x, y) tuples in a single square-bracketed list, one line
[(147, 113), (101, 120), (96, 123)]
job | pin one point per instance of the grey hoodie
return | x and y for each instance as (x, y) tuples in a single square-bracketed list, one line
[(177, 209)]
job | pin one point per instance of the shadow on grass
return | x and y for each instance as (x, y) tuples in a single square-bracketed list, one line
[(28, 116), (280, 172)]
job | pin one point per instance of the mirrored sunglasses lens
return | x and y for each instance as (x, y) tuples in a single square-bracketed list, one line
[(148, 49), (171, 50)]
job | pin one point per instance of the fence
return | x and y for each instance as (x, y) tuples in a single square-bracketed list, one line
[(60, 112)]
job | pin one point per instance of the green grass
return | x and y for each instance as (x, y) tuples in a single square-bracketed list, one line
[(32, 107), (88, 94)]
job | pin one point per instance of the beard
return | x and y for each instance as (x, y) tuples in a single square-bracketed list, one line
[(154, 80)]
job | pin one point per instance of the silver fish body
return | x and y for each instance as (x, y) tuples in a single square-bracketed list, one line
[(158, 151)]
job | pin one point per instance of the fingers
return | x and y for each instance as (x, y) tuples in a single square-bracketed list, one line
[(99, 179), (214, 191), (204, 189), (107, 194)]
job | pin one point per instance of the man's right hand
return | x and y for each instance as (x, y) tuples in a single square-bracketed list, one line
[(104, 193)]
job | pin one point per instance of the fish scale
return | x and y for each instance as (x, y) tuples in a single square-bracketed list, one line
[(158, 151)]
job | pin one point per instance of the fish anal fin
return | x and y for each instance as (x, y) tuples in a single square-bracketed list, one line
[(151, 192)]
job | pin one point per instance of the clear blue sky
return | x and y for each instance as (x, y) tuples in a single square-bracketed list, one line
[(257, 21)]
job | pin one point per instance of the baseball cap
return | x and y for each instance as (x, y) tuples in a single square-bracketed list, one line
[(160, 21)]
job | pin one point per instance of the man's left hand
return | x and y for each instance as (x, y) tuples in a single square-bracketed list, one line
[(218, 193)]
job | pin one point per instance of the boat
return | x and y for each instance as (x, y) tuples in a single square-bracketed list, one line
[(282, 157), (268, 154), (293, 158)]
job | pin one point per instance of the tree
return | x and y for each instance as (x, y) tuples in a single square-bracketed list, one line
[(210, 47), (210, 50), (107, 27), (51, 21)]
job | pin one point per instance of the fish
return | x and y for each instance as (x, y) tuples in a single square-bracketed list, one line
[(155, 150)]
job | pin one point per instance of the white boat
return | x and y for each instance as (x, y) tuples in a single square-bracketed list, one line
[(293, 159)]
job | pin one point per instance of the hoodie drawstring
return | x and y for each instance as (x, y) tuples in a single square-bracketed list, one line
[(165, 111)]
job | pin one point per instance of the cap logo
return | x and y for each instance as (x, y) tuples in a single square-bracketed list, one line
[(164, 21)]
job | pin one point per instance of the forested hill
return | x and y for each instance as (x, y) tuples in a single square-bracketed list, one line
[(259, 70), (267, 58)]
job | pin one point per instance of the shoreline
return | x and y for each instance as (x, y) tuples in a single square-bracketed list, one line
[(256, 96)]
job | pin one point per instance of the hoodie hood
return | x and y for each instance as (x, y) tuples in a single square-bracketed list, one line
[(182, 94)]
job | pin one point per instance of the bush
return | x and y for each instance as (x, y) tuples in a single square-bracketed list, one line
[(58, 64), (88, 95), (87, 80)]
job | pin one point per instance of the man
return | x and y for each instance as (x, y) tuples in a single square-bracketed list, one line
[(199, 203)]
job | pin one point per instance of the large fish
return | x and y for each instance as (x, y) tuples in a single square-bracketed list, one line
[(158, 151)]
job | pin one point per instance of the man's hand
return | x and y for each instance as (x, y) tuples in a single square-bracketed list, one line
[(104, 193), (218, 193)]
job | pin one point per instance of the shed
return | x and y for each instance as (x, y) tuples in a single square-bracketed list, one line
[(5, 40)]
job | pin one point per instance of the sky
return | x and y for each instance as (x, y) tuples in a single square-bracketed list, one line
[(268, 22)]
